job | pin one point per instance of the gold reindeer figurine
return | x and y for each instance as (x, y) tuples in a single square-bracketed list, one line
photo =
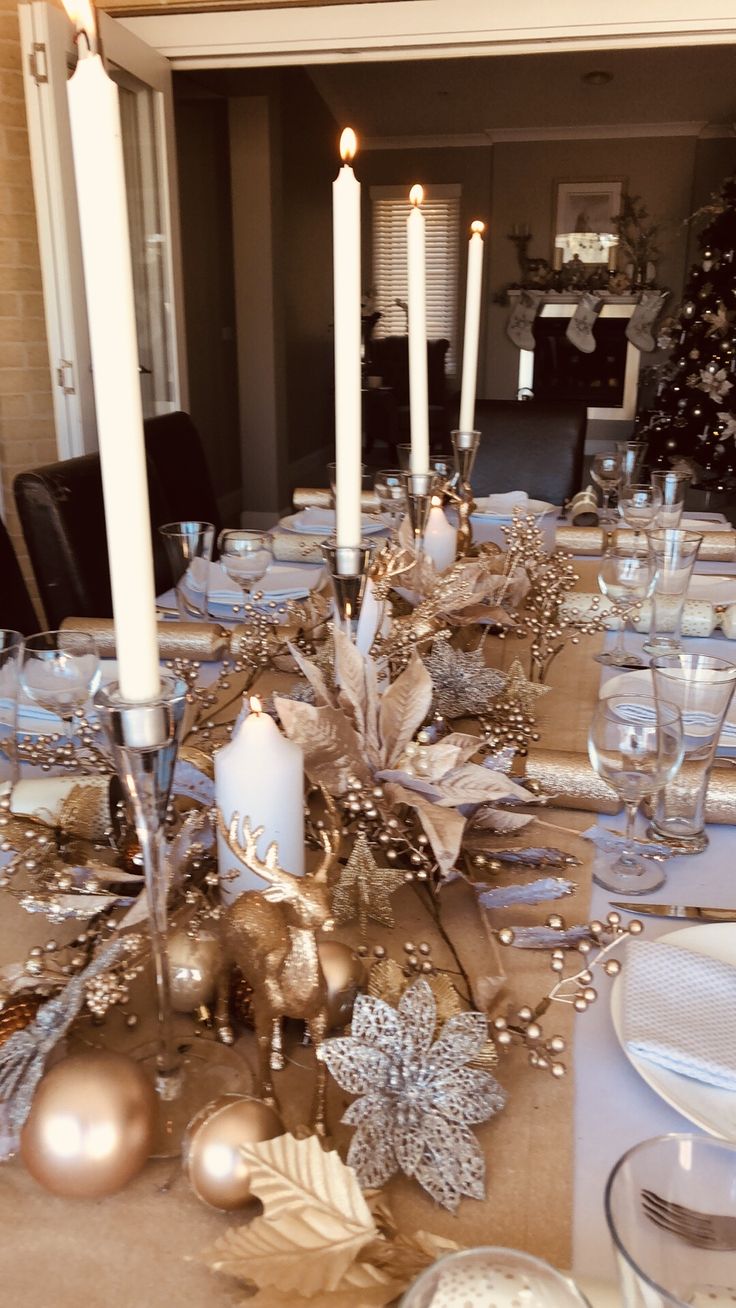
[(270, 935)]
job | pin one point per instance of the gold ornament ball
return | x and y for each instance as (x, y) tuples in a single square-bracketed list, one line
[(345, 976), (91, 1125), (194, 964), (213, 1163)]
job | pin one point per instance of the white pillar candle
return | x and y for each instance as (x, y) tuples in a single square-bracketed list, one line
[(472, 327), (94, 115), (260, 776), (440, 538), (417, 301), (348, 425)]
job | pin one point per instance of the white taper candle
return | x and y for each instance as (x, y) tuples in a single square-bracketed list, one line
[(417, 302), (94, 114), (348, 426), (472, 328)]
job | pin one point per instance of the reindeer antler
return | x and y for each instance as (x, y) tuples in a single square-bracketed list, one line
[(329, 838), (246, 851)]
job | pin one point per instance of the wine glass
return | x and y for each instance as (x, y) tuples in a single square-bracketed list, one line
[(366, 478), (606, 472), (639, 505), (635, 745), (390, 488), (244, 558), (627, 578), (60, 670)]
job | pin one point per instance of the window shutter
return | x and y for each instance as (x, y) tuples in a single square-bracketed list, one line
[(441, 209)]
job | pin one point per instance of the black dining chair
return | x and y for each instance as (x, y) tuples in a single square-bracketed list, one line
[(62, 514), (16, 607), (531, 445)]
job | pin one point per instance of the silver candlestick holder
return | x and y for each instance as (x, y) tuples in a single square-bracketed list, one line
[(348, 567), (465, 447), (144, 740), (420, 487)]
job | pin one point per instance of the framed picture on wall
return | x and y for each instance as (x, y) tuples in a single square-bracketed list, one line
[(583, 220)]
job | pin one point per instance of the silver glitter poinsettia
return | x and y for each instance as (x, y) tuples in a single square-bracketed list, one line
[(418, 1098)]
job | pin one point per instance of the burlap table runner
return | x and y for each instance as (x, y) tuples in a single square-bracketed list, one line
[(138, 1249)]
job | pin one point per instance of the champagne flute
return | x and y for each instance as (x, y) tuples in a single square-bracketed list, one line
[(635, 744), (606, 472), (60, 670), (627, 578)]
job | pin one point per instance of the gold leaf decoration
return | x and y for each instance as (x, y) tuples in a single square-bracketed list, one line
[(314, 676), (364, 889), (350, 678), (315, 1221), (404, 707), (332, 750), (473, 784)]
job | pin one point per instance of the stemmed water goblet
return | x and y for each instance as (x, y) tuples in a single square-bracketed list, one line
[(244, 558), (626, 577), (60, 670), (606, 471), (635, 744), (390, 488), (639, 505)]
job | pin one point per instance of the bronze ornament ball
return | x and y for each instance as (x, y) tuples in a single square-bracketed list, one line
[(345, 975), (211, 1157), (194, 966), (91, 1125)]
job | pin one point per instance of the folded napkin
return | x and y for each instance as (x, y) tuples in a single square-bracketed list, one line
[(502, 503), (321, 522), (678, 1011), (277, 582)]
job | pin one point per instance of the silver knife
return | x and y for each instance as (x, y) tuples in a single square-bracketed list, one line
[(686, 912)]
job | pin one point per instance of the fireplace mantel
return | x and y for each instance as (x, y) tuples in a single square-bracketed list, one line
[(562, 305)]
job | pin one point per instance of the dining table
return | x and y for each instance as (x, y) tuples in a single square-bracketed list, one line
[(548, 1155)]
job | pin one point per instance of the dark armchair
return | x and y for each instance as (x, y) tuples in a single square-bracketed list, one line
[(63, 518), (17, 612), (390, 360)]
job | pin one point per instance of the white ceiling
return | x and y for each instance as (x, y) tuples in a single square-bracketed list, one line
[(456, 97)]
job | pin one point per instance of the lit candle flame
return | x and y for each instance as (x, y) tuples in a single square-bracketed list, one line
[(255, 704), (82, 15), (416, 195), (348, 145), (437, 501), (478, 227)]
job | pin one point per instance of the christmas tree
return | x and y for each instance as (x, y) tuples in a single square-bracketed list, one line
[(693, 420)]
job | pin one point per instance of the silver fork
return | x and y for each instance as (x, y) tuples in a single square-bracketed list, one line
[(701, 1230)]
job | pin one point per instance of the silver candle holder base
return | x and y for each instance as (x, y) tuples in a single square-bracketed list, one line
[(348, 566), (144, 740), (420, 487), (465, 447)]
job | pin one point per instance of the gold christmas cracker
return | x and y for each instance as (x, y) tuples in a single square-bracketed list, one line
[(79, 805), (206, 641), (699, 617), (291, 547), (581, 540), (311, 497), (717, 546), (571, 782)]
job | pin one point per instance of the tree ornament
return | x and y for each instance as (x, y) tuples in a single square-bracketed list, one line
[(85, 1101), (463, 685), (364, 889), (195, 962), (213, 1159)]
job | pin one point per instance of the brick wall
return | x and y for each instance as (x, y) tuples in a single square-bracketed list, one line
[(26, 418)]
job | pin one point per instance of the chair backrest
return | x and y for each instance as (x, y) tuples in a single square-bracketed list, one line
[(390, 360), (530, 445), (63, 517), (16, 612)]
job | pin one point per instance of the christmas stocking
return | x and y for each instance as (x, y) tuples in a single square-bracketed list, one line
[(519, 326), (580, 327), (642, 320)]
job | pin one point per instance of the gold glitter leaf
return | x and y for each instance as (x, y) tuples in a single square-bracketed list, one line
[(404, 707), (350, 677), (364, 889), (525, 692), (332, 748), (315, 1221)]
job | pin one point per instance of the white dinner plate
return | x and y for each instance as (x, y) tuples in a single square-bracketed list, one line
[(712, 587), (321, 522), (493, 509), (708, 1106), (639, 682)]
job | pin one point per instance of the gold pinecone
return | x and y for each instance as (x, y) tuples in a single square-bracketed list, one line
[(17, 1012)]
